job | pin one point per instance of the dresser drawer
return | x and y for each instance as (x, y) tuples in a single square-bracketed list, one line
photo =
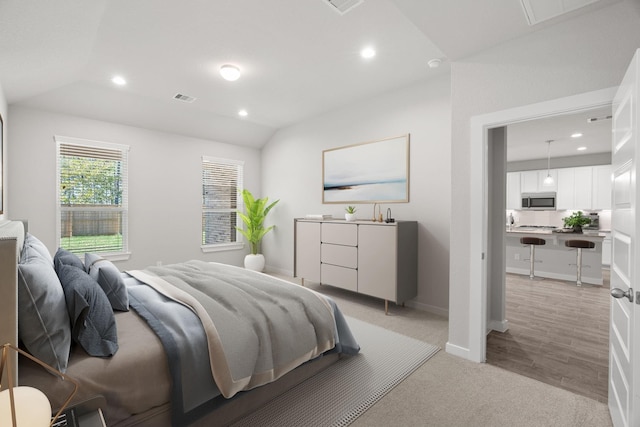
[(344, 256), (340, 277), (339, 234)]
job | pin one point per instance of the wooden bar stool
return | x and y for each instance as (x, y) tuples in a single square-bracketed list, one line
[(579, 245), (532, 242)]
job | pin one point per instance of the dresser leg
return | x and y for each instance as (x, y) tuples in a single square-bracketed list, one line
[(302, 281), (386, 307)]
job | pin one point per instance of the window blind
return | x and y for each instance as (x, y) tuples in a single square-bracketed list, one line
[(222, 181), (92, 196)]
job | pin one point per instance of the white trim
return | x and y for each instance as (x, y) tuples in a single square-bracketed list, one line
[(83, 141), (428, 308), (498, 325), (479, 127), (219, 247), (456, 350)]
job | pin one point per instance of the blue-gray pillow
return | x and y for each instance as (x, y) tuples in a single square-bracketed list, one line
[(108, 276), (93, 325), (32, 247), (63, 256), (43, 322)]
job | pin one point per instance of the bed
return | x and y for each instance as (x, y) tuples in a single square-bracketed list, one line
[(194, 343)]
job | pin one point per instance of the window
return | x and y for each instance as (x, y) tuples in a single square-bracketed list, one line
[(221, 199), (92, 197)]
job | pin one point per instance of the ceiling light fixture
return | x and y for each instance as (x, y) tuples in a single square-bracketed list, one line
[(119, 80), (582, 148), (368, 52), (576, 135), (230, 72), (243, 113), (434, 63), (548, 181)]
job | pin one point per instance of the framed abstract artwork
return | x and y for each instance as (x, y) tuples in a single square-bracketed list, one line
[(369, 172)]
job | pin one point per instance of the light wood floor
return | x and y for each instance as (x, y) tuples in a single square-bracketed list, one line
[(558, 334)]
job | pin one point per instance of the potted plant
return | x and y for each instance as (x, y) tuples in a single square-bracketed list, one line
[(255, 212), (351, 213), (576, 220)]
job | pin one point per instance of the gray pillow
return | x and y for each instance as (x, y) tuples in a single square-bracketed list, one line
[(93, 325), (36, 248), (108, 276), (63, 256), (43, 322)]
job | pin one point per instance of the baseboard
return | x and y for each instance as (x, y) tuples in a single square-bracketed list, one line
[(498, 325), (456, 350), (428, 308), (274, 270)]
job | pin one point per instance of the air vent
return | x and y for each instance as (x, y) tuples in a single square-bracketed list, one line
[(343, 6), (184, 98), (538, 11)]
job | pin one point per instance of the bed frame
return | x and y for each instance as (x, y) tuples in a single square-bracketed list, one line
[(233, 409)]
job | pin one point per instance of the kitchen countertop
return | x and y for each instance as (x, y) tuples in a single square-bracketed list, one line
[(538, 231)]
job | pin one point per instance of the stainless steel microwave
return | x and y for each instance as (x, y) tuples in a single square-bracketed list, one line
[(539, 201)]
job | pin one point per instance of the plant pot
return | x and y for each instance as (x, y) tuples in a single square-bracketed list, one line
[(577, 229), (254, 262), (350, 217)]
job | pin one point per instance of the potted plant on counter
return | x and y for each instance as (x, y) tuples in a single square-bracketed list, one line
[(255, 212), (351, 213), (576, 220)]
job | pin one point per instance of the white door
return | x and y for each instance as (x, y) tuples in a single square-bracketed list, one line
[(624, 347)]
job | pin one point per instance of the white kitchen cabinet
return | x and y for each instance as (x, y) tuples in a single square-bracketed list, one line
[(574, 188), (376, 259), (606, 249), (601, 187), (513, 190), (533, 181)]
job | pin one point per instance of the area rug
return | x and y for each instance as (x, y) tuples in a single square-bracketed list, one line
[(342, 392)]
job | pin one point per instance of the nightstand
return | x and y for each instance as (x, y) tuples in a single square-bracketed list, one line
[(84, 414)]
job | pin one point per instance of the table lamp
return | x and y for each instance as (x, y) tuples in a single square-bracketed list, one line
[(22, 406)]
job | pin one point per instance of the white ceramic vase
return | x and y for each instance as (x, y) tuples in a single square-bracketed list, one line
[(350, 217), (254, 262)]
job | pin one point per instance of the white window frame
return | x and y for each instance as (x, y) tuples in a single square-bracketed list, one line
[(124, 149), (239, 243)]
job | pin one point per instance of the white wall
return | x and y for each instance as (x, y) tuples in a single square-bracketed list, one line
[(165, 183), (4, 165), (292, 172), (587, 54)]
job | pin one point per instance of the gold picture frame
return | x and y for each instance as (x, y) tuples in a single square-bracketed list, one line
[(368, 172)]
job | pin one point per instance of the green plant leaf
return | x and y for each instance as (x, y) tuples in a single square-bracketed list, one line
[(255, 211)]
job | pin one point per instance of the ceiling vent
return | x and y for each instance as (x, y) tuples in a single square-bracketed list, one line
[(538, 11), (343, 6), (184, 98)]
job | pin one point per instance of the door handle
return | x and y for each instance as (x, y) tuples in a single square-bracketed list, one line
[(619, 293)]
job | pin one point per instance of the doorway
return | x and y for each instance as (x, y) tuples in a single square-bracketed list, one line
[(480, 240), (545, 337)]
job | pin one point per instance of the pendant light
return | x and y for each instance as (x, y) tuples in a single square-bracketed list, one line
[(548, 181)]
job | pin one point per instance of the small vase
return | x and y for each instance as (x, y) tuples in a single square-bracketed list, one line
[(350, 217), (577, 229), (254, 262)]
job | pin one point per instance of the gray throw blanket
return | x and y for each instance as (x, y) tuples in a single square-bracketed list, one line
[(258, 327)]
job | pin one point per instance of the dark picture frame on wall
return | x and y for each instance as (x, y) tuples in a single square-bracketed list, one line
[(1, 166), (369, 172)]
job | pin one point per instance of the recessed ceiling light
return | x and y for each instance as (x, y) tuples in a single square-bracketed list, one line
[(582, 148), (576, 135), (243, 113), (119, 80), (368, 52), (230, 72)]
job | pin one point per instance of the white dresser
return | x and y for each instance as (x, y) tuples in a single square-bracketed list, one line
[(371, 258)]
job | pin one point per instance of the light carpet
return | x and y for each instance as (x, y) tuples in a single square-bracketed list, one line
[(339, 394)]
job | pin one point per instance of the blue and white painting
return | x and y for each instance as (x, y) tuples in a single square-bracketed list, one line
[(370, 172)]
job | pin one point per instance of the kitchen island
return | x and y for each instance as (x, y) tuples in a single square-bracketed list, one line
[(554, 260)]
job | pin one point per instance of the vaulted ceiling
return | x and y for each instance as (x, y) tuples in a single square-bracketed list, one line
[(298, 58)]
